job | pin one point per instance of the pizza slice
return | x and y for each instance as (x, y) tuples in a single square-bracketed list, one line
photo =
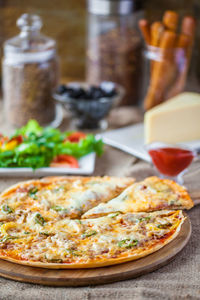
[(88, 243), (148, 195), (62, 196)]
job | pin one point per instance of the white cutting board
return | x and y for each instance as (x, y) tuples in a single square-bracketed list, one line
[(131, 140)]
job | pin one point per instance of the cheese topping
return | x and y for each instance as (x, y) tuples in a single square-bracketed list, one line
[(148, 195), (73, 240)]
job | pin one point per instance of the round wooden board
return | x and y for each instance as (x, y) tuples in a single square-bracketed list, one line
[(81, 277)]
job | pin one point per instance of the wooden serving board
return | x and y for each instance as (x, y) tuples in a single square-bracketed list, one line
[(81, 277)]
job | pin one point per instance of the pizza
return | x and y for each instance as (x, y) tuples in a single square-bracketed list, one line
[(148, 195), (64, 196), (42, 224), (65, 243)]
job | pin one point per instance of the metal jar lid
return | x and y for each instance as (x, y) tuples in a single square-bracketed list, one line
[(111, 7)]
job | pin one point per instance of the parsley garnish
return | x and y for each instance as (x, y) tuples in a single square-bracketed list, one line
[(73, 252), (39, 219), (114, 215), (144, 219), (9, 237), (7, 209), (78, 221), (32, 192), (127, 243), (164, 226), (60, 209), (88, 234), (44, 233), (55, 260)]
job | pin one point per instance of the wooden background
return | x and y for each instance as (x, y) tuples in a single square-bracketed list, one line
[(66, 21)]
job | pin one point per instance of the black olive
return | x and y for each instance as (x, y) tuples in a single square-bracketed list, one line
[(62, 89), (106, 89)]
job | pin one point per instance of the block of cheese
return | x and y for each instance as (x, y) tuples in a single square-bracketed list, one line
[(176, 120)]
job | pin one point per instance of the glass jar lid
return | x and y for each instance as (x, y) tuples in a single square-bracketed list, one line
[(30, 44)]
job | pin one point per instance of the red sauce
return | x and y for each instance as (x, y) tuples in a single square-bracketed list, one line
[(171, 161)]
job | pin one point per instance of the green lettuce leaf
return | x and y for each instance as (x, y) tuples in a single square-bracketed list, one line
[(41, 145)]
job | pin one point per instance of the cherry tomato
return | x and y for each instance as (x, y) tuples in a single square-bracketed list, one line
[(75, 137), (64, 160)]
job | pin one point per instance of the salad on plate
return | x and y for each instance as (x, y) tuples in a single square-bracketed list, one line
[(36, 147)]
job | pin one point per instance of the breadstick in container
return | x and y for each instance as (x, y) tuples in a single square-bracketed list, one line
[(157, 29), (161, 71), (170, 20), (188, 26), (184, 52), (145, 29)]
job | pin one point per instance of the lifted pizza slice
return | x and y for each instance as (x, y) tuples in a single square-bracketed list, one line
[(61, 196), (148, 195)]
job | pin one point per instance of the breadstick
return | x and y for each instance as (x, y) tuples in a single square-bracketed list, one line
[(157, 29), (162, 71), (188, 26), (170, 20), (185, 42), (145, 29)]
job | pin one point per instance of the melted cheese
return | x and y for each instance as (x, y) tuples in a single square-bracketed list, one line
[(148, 195), (71, 198), (91, 238)]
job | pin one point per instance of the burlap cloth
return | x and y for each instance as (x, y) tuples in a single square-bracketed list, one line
[(180, 279)]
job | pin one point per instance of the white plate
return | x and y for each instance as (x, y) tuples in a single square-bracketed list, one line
[(86, 167), (131, 140)]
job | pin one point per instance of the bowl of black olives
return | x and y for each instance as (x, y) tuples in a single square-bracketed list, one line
[(89, 104)]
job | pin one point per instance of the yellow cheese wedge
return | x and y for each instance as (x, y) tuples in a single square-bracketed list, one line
[(176, 120)]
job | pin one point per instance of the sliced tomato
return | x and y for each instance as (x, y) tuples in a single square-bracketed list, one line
[(75, 137), (64, 160), (10, 144), (19, 139)]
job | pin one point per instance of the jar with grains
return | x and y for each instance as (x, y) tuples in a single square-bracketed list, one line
[(30, 73), (114, 47)]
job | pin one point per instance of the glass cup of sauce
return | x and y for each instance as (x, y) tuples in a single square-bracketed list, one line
[(171, 161)]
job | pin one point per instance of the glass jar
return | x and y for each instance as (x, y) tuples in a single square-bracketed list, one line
[(30, 73), (165, 74), (114, 48)]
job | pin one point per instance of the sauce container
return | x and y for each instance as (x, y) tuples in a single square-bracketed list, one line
[(171, 161)]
